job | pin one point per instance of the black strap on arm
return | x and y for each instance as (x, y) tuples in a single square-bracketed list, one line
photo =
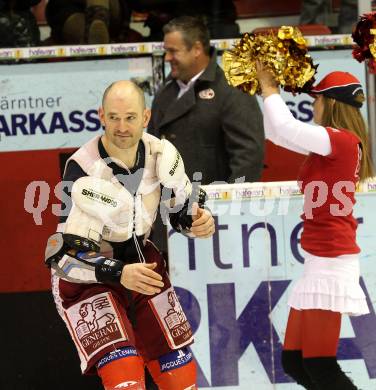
[(63, 257)]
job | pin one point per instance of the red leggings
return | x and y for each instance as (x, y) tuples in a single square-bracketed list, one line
[(315, 332), (128, 373)]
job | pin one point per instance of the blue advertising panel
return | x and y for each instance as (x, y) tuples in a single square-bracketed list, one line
[(54, 105), (234, 287)]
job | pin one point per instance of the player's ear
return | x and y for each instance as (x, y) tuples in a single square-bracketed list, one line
[(101, 115), (146, 117)]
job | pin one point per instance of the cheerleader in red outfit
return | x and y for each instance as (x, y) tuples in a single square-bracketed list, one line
[(338, 158)]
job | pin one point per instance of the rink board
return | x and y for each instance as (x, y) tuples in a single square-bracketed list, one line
[(234, 287), (54, 105)]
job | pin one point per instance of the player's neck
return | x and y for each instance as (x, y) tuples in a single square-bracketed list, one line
[(126, 156)]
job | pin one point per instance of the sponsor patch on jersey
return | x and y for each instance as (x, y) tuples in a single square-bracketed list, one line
[(117, 354), (94, 323), (206, 94), (172, 319), (175, 359)]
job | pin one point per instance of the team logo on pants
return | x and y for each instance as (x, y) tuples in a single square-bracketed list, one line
[(172, 319), (94, 324)]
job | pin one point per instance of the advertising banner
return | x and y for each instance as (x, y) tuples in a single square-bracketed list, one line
[(234, 287), (54, 105)]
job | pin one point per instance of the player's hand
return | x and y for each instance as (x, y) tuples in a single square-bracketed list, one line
[(140, 277), (203, 222), (266, 79)]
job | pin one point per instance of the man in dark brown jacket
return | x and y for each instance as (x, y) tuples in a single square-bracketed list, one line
[(217, 128)]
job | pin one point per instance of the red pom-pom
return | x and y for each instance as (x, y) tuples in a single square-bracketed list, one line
[(363, 38), (357, 53), (372, 65)]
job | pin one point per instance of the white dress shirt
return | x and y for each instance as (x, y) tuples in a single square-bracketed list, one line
[(185, 87)]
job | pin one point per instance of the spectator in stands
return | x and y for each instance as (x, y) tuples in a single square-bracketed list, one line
[(315, 11), (217, 128), (90, 21), (220, 15), (18, 27)]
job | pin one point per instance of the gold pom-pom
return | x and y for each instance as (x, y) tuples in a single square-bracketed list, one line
[(372, 46), (284, 54)]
